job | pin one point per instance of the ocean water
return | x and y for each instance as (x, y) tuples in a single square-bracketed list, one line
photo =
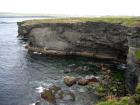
[(23, 74)]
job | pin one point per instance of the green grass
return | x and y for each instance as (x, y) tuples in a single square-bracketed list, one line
[(122, 101), (118, 75), (137, 54), (126, 21)]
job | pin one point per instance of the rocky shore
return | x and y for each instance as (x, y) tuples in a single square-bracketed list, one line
[(97, 39)]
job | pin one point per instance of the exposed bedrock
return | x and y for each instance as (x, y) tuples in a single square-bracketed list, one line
[(99, 40), (92, 39)]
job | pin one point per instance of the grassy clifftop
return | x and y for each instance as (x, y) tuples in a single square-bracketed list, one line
[(126, 21)]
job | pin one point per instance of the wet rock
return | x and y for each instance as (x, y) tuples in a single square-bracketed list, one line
[(48, 95), (54, 94), (69, 81), (82, 82)]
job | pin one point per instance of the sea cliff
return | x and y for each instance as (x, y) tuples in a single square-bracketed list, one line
[(114, 39)]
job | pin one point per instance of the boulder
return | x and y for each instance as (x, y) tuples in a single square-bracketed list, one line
[(69, 81), (83, 82)]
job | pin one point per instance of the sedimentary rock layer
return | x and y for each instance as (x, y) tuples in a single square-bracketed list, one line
[(94, 39)]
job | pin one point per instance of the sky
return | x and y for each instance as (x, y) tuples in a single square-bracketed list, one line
[(73, 7)]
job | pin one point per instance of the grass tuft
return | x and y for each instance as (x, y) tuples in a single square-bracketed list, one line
[(137, 54)]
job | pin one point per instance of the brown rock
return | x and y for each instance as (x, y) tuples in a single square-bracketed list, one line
[(69, 81), (83, 82)]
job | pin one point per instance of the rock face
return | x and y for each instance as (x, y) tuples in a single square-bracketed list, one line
[(133, 70), (92, 39)]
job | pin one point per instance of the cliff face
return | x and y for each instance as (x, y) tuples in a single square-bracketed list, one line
[(100, 40), (93, 39)]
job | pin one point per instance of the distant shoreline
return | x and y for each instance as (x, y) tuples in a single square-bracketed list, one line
[(27, 16)]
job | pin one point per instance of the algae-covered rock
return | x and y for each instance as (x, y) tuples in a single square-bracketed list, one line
[(48, 95), (54, 89)]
